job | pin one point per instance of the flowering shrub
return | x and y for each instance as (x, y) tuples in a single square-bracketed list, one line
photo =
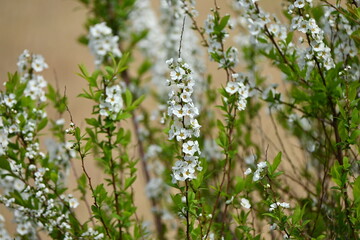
[(211, 169)]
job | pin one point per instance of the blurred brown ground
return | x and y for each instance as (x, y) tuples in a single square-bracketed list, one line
[(51, 28)]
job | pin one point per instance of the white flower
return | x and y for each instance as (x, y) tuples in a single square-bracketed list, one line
[(182, 134), (73, 202), (274, 29), (299, 3), (190, 147), (256, 176), (272, 207), (232, 87), (23, 228), (273, 226), (245, 203), (230, 200), (185, 97), (177, 74), (248, 171), (38, 63), (169, 62), (178, 111), (261, 165), (19, 185), (60, 122), (9, 100), (284, 205), (241, 104)]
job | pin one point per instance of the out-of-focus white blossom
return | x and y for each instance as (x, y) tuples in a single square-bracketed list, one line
[(102, 42)]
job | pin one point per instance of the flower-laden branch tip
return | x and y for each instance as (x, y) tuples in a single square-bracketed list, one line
[(102, 42), (185, 127)]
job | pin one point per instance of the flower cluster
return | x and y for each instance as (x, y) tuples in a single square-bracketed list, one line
[(29, 66), (226, 59), (60, 152), (185, 127), (257, 174), (102, 42), (318, 49), (44, 206), (27, 181), (92, 234), (211, 150), (273, 206), (112, 103), (29, 61), (255, 18), (239, 89), (20, 120), (155, 187), (344, 45)]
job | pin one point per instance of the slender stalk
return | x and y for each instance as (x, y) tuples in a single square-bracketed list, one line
[(187, 210), (82, 157)]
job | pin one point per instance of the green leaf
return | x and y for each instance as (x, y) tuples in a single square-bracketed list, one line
[(138, 101), (109, 70), (128, 98), (4, 163), (129, 182), (356, 190), (42, 124), (145, 66), (92, 122), (82, 184), (77, 134), (85, 73), (276, 163), (223, 23)]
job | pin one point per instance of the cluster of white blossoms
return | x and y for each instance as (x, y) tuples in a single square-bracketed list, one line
[(60, 153), (29, 66), (344, 45), (226, 59), (255, 18), (273, 206), (257, 174), (27, 219), (92, 234), (162, 39), (155, 187), (29, 61), (102, 42), (211, 150), (238, 88), (185, 127), (318, 49), (112, 103), (259, 25), (23, 122)]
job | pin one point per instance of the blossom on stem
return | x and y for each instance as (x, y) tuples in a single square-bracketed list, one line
[(102, 42), (185, 127)]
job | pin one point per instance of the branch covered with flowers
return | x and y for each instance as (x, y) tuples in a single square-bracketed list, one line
[(250, 155)]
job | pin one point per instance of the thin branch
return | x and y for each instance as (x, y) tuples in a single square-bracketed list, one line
[(181, 35)]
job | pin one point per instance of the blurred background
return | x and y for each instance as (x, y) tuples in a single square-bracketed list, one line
[(51, 28)]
